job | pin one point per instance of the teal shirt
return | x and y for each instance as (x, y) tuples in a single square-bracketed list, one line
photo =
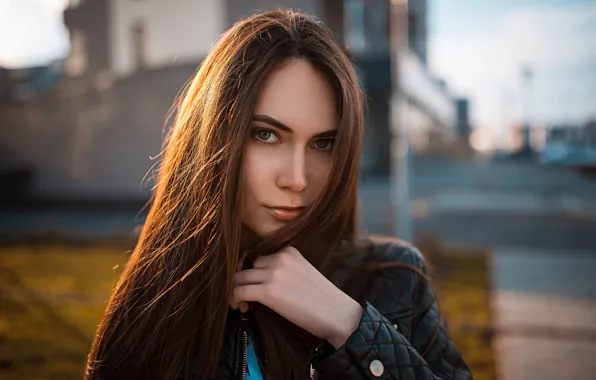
[(253, 371)]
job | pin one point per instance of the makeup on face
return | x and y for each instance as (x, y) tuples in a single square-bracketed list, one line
[(286, 214), (288, 157)]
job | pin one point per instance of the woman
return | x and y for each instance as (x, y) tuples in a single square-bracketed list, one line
[(249, 264)]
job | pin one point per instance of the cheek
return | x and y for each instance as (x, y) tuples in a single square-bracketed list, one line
[(257, 172), (320, 165)]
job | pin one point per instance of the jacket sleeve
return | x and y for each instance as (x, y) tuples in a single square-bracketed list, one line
[(379, 349)]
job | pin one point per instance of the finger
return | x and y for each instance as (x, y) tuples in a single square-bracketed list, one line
[(232, 302), (248, 293), (251, 276), (243, 306)]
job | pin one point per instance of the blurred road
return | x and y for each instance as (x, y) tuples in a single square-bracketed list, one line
[(499, 205)]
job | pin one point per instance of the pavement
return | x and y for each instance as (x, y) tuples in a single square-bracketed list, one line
[(544, 337), (545, 313)]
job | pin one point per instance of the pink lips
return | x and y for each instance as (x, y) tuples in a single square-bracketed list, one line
[(286, 214)]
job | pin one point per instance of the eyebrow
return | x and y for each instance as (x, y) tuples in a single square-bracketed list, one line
[(279, 125)]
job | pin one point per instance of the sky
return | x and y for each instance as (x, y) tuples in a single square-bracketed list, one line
[(480, 47), (42, 36)]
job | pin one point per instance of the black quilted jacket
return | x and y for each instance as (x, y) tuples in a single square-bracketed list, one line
[(401, 334)]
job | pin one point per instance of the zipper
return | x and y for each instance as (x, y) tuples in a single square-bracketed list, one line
[(244, 346), (245, 353)]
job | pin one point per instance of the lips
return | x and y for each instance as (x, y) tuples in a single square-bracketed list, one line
[(286, 214)]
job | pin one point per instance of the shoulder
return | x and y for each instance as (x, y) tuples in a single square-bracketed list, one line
[(387, 249), (388, 273)]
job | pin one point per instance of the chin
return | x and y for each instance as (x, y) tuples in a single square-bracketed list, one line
[(267, 228)]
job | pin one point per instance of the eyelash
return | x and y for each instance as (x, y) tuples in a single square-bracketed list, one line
[(256, 131)]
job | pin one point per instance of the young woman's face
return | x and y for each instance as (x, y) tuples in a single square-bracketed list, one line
[(289, 153)]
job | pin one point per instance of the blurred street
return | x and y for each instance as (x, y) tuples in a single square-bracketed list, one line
[(540, 225), (513, 204)]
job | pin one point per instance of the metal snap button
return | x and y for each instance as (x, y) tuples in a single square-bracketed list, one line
[(395, 326), (376, 368)]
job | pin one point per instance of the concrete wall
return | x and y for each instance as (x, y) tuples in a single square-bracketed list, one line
[(176, 31), (92, 137), (90, 144)]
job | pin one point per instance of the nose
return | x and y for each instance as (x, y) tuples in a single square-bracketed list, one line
[(292, 174)]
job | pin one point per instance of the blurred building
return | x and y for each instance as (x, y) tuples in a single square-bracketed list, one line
[(464, 128), (418, 28), (126, 36), (92, 137), (590, 132), (366, 36), (416, 104)]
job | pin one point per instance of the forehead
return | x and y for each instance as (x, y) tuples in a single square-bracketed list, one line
[(300, 97)]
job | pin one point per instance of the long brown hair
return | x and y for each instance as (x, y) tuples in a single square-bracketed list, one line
[(171, 302)]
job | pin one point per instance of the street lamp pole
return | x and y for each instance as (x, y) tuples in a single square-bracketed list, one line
[(400, 149), (527, 77)]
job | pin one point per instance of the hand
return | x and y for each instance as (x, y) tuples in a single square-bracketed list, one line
[(288, 284)]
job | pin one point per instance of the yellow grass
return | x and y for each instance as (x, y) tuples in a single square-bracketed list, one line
[(463, 285), (52, 298)]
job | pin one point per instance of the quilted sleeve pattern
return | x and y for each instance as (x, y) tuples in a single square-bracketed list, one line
[(403, 338)]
